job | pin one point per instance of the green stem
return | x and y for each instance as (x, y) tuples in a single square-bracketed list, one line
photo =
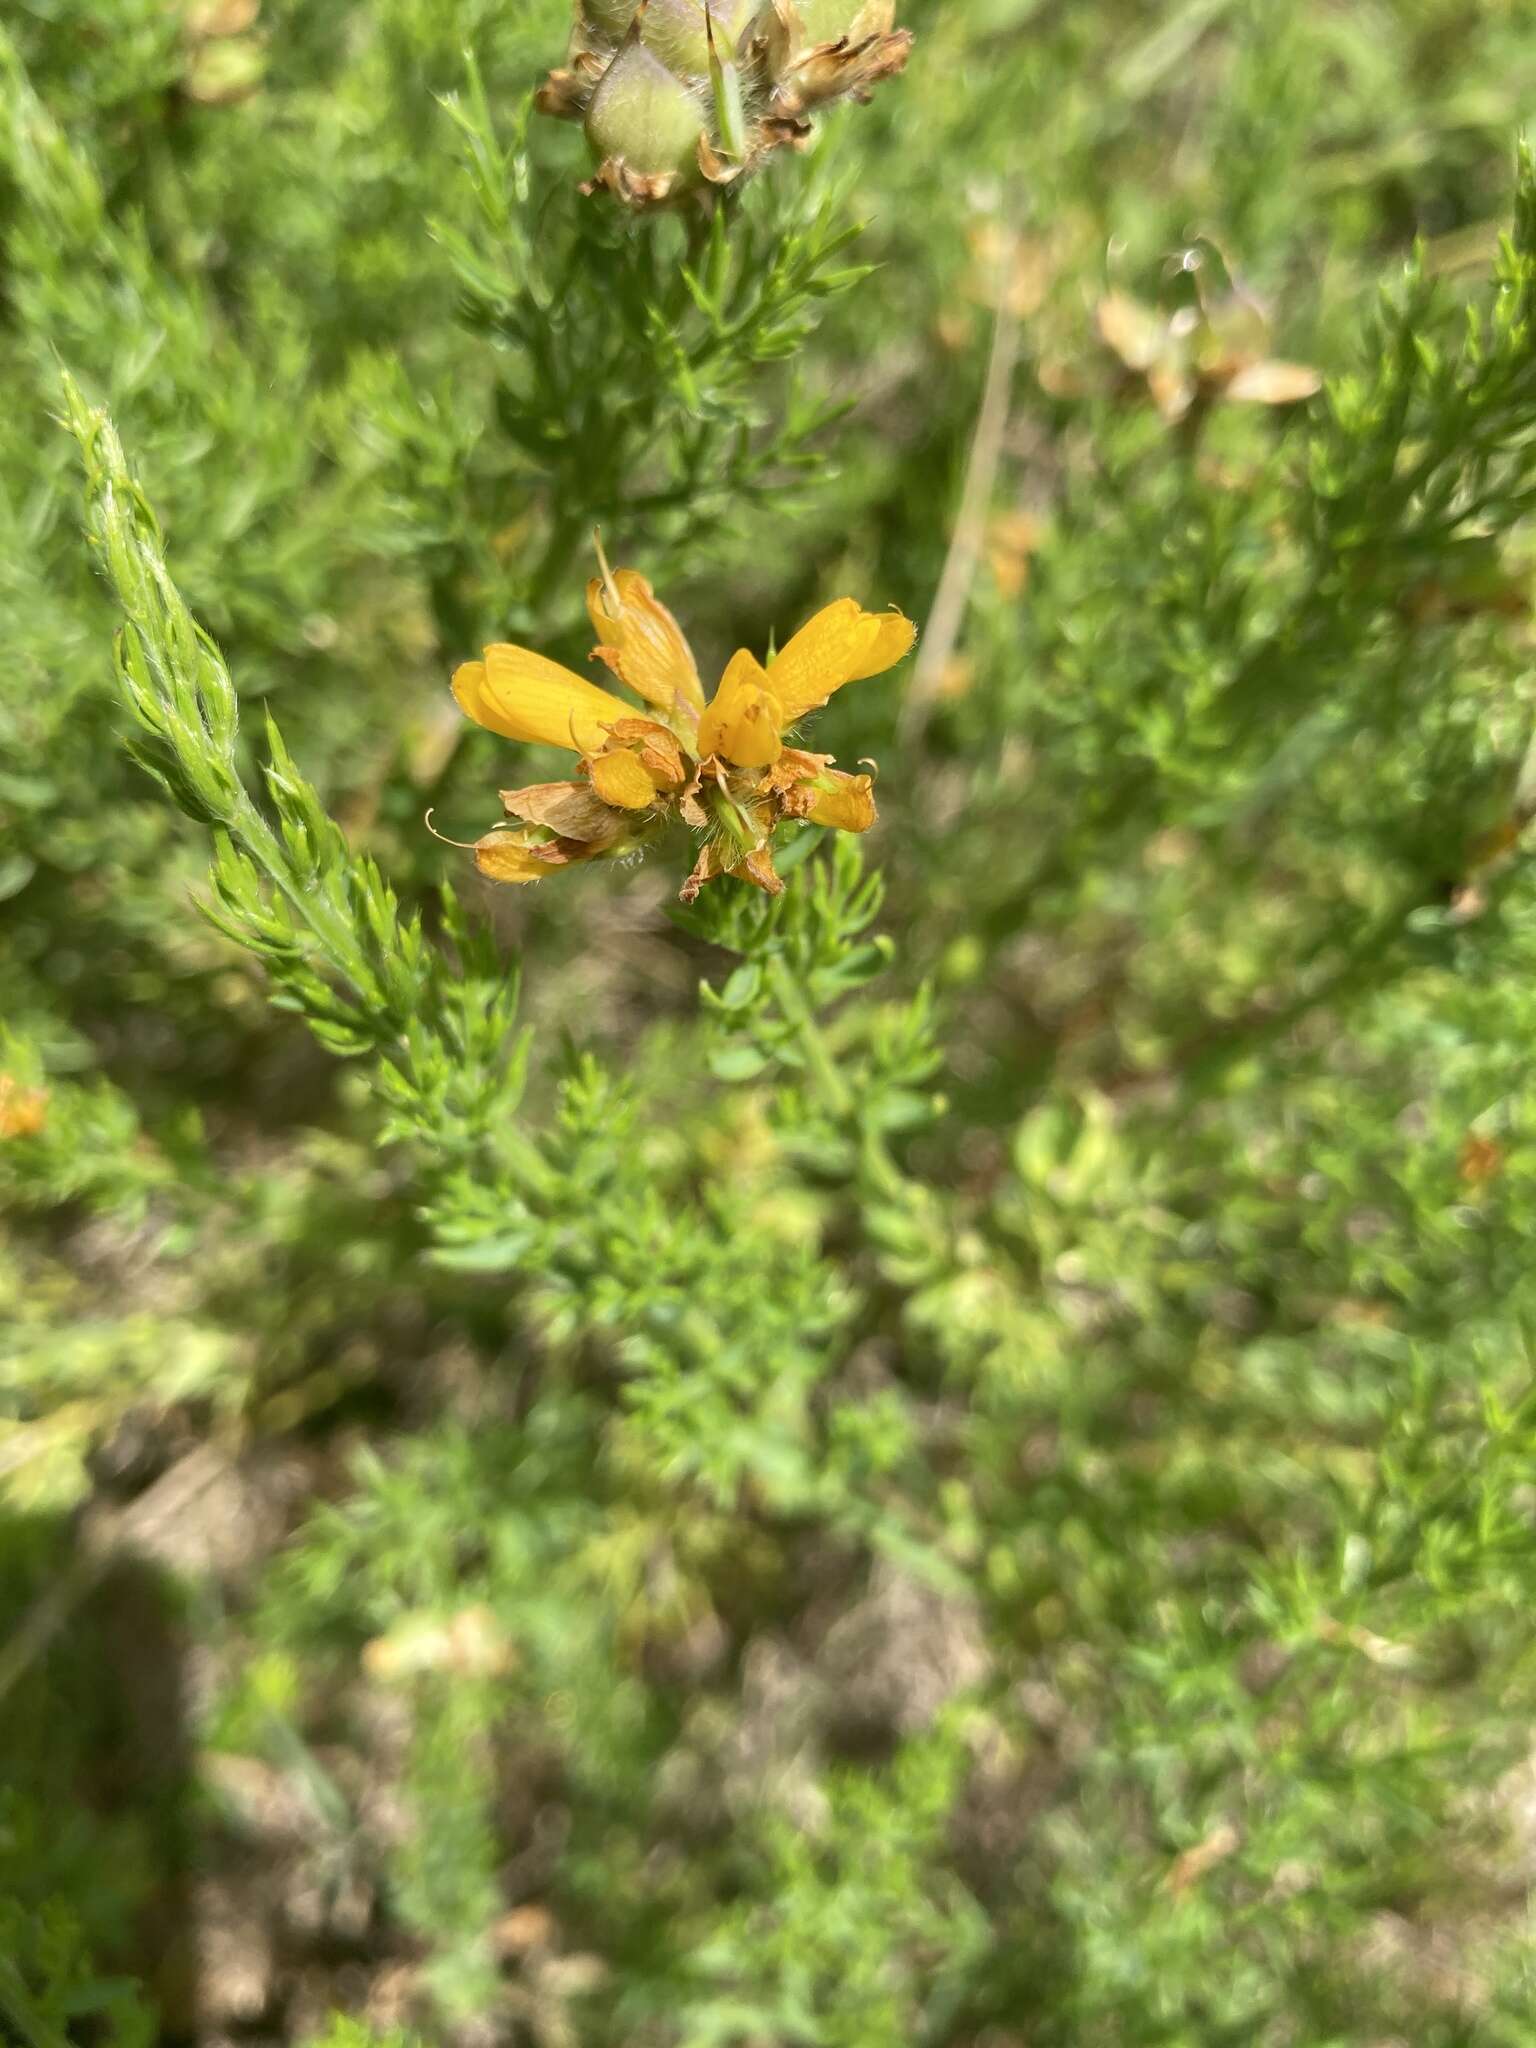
[(879, 1170), (559, 552), (18, 2010), (728, 815), (830, 1085), (330, 928)]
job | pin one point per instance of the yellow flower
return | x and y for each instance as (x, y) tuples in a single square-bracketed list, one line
[(724, 767), (23, 1111)]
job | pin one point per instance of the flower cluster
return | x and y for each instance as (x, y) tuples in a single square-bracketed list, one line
[(723, 767), (677, 96)]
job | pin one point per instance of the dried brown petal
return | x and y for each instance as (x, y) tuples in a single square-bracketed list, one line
[(833, 71), (1135, 332), (572, 809), (1482, 1159), (718, 169), (758, 869), (794, 766), (707, 868), (630, 188), (566, 94), (1275, 383)]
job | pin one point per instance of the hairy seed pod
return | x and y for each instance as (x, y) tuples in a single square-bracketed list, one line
[(678, 96)]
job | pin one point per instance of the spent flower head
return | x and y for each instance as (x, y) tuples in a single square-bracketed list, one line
[(1214, 348), (679, 96), (722, 765)]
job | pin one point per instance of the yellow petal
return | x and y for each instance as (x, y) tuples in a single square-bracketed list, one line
[(817, 660), (646, 643), (499, 856), (524, 697), (846, 802), (893, 641), (469, 694), (620, 779), (744, 719), (842, 644)]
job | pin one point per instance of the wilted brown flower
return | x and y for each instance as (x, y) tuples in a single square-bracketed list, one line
[(1215, 350)]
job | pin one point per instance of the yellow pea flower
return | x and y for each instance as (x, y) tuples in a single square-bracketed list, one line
[(723, 767)]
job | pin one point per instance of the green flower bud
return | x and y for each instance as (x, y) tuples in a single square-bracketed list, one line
[(678, 95), (642, 114), (676, 31)]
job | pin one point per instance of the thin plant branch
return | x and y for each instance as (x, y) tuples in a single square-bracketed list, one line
[(953, 596)]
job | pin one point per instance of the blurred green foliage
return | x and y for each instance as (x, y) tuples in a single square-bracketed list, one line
[(945, 1459)]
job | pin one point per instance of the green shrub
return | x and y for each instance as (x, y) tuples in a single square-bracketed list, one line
[(944, 1456)]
